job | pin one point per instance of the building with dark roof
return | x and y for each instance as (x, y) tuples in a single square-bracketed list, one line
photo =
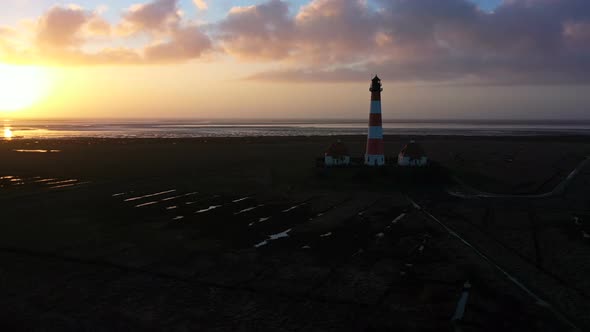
[(412, 155), (337, 155)]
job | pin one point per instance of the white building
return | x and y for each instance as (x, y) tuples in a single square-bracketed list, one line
[(337, 155), (412, 155)]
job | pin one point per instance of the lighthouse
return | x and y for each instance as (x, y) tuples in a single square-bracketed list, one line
[(375, 155)]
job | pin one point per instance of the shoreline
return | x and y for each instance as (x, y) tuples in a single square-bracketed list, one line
[(386, 137)]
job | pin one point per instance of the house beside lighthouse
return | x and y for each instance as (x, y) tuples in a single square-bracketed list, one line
[(375, 155), (337, 155), (412, 155)]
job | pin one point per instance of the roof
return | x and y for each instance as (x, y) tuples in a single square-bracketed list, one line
[(376, 78), (413, 150), (337, 149)]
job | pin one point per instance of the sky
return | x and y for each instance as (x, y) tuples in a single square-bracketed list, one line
[(483, 59)]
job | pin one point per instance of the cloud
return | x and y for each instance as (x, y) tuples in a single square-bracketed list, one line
[(450, 42), (258, 32), (71, 35), (154, 16), (521, 42), (322, 31), (186, 43), (201, 4), (60, 27), (97, 26)]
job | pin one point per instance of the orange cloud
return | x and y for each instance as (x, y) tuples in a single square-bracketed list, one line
[(65, 35), (60, 27), (201, 4), (521, 42)]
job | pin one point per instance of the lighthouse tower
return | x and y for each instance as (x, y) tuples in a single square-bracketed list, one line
[(375, 155)]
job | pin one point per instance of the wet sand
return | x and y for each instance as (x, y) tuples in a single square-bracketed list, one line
[(247, 234)]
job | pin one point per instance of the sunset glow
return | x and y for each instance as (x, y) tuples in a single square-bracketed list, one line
[(295, 165), (21, 87), (294, 59)]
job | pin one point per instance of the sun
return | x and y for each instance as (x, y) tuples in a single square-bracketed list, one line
[(21, 86)]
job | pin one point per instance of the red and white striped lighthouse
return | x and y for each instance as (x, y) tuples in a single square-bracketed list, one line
[(375, 155)]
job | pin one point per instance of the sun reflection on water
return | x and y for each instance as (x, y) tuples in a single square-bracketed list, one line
[(8, 133)]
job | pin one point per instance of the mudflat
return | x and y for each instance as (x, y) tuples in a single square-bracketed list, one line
[(249, 234)]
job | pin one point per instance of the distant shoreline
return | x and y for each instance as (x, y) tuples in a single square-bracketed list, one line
[(539, 137), (206, 129)]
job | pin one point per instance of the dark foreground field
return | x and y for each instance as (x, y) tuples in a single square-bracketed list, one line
[(247, 235)]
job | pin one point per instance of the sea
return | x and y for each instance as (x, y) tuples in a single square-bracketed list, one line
[(186, 128)]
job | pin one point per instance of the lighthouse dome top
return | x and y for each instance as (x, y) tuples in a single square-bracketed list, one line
[(375, 84)]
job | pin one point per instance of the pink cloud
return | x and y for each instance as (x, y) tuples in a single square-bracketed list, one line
[(258, 32), (63, 34), (521, 42), (185, 43), (60, 27), (157, 15)]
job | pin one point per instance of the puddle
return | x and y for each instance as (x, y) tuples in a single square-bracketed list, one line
[(212, 207), (259, 221), (36, 151), (51, 183), (316, 216), (326, 235), (293, 208), (274, 237), (45, 180), (68, 185), (149, 195), (400, 217), (179, 196), (61, 182), (249, 209), (460, 309), (146, 204), (172, 207)]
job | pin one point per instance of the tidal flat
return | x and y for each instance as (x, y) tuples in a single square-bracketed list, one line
[(249, 234)]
